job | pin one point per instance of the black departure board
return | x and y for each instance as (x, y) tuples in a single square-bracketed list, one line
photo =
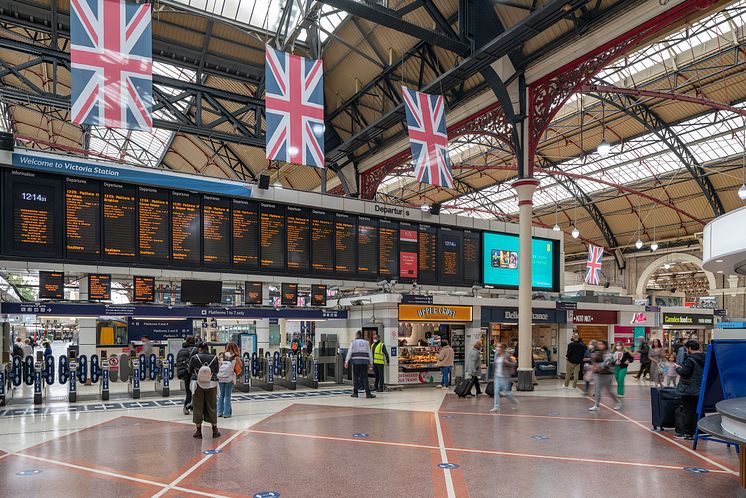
[(154, 224), (450, 251), (318, 295), (367, 246), (186, 226), (253, 294), (99, 287), (51, 285), (298, 238), (289, 295), (216, 231), (472, 254), (408, 251), (388, 249), (82, 218), (33, 214), (345, 243), (322, 242), (272, 236), (120, 222), (245, 232), (427, 263), (143, 289)]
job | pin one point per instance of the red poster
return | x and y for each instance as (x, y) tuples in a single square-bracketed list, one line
[(408, 264), (408, 235)]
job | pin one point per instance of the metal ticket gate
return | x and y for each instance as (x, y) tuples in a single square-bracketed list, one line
[(287, 375), (264, 375), (243, 381), (138, 374), (6, 391), (163, 374), (308, 371)]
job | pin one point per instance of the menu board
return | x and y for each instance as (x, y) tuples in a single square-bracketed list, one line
[(289, 295), (299, 231), (450, 251), (51, 285), (388, 249), (272, 236), (367, 246), (472, 250), (345, 242), (185, 228), (99, 287), (322, 242), (82, 218), (120, 222), (143, 289), (153, 225), (408, 251), (216, 234), (427, 264), (245, 231), (33, 207), (318, 295), (253, 294)]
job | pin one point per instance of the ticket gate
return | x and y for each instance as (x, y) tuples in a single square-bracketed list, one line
[(243, 381), (103, 387), (6, 392), (163, 371), (287, 376), (308, 371), (264, 375), (138, 374)]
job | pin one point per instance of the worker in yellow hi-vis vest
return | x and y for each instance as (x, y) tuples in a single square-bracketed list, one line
[(380, 358)]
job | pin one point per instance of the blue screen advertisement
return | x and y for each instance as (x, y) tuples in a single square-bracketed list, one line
[(501, 258)]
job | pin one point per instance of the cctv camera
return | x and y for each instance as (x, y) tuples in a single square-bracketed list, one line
[(382, 283)]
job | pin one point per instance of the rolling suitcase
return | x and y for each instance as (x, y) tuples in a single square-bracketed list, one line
[(462, 387), (663, 404), (490, 389)]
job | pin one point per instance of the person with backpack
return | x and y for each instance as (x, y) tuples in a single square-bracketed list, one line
[(18, 348), (690, 383), (603, 374), (188, 349), (203, 371), (230, 366)]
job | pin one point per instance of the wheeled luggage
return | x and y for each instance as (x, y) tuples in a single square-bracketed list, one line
[(490, 389), (462, 387), (663, 404)]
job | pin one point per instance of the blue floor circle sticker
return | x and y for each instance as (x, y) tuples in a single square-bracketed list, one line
[(360, 434), (267, 494), (553, 414), (448, 417), (696, 470), (447, 465), (212, 452), (540, 437), (30, 472)]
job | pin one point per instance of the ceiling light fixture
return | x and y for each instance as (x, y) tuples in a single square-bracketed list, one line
[(666, 266), (575, 232), (654, 245), (556, 227), (638, 244), (604, 147)]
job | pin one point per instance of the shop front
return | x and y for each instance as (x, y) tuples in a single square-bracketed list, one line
[(687, 325), (593, 325), (633, 325), (422, 330)]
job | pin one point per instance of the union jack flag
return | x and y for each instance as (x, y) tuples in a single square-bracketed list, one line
[(593, 265), (111, 64), (426, 122), (294, 98)]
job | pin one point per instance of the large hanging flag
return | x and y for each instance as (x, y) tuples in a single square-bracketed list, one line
[(111, 60), (593, 265), (428, 137), (294, 96)]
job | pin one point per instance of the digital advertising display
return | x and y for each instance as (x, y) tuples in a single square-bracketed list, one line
[(253, 294), (501, 256)]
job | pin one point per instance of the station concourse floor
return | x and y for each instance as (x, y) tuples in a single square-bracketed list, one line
[(393, 445)]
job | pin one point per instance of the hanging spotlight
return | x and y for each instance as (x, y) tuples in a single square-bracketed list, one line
[(638, 244), (666, 266), (575, 232), (654, 246), (742, 192), (425, 208), (556, 228), (604, 148)]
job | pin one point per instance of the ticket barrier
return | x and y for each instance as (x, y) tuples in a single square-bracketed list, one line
[(342, 375), (250, 365), (162, 371), (263, 377), (103, 387), (287, 374), (138, 374), (6, 391), (308, 371)]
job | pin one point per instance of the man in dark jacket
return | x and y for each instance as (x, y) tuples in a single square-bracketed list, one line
[(188, 349), (205, 398), (691, 373), (644, 350), (575, 353)]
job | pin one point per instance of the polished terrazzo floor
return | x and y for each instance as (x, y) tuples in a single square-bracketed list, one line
[(416, 442)]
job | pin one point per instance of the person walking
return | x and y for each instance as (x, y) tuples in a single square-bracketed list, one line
[(188, 349), (229, 364), (18, 348), (47, 349), (473, 368), (445, 362), (574, 356), (681, 355), (588, 367), (203, 370), (360, 356), (690, 382), (380, 359), (622, 359), (504, 368), (603, 372), (656, 373), (28, 349), (644, 350)]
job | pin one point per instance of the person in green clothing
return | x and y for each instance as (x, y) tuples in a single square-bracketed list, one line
[(622, 359)]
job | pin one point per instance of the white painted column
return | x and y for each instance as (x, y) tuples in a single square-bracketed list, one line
[(262, 334), (87, 336)]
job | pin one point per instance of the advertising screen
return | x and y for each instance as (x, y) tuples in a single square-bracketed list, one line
[(289, 294), (253, 295), (407, 250), (500, 259), (318, 295)]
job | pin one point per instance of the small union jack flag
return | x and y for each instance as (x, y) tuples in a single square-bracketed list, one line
[(111, 64), (593, 265), (428, 137), (294, 98)]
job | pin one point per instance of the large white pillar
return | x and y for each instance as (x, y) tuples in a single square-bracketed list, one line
[(525, 188)]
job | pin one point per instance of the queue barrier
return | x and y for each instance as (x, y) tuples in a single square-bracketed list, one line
[(308, 371)]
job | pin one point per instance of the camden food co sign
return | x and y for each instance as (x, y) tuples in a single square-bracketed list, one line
[(434, 313)]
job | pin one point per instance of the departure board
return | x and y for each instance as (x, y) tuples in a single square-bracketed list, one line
[(272, 236), (216, 233), (82, 218), (51, 285), (298, 234), (450, 251), (186, 226), (99, 287), (318, 295), (153, 225), (33, 215), (120, 222), (245, 231), (345, 242), (143, 289), (427, 263), (289, 295), (388, 249), (472, 256), (253, 294), (408, 251), (367, 246), (322, 242)]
